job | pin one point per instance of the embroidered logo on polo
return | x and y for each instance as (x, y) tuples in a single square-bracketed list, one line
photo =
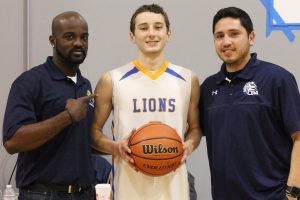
[(250, 88), (214, 92), (92, 101)]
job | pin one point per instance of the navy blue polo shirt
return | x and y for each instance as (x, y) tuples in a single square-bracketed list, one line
[(248, 122), (39, 94)]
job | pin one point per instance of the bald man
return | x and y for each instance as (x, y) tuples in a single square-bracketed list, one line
[(48, 116)]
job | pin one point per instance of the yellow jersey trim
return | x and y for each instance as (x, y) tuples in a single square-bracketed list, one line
[(147, 72)]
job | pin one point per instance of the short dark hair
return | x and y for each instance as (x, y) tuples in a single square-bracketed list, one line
[(235, 13), (149, 8)]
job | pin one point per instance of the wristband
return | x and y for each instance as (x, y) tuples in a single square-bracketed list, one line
[(71, 117)]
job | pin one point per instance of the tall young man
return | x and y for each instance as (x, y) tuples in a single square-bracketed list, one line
[(147, 89)]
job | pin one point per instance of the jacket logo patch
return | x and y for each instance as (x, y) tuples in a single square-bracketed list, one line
[(92, 101), (214, 92), (250, 88)]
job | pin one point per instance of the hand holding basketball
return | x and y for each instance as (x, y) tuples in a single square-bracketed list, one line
[(124, 151), (187, 150)]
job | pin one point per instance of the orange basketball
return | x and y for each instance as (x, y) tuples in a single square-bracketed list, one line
[(156, 149)]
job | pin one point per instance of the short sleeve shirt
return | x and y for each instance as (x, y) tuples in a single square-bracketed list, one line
[(248, 122), (37, 95)]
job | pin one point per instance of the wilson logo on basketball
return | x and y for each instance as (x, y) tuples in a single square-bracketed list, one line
[(158, 149)]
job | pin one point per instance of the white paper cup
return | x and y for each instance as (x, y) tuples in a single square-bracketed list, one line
[(103, 191)]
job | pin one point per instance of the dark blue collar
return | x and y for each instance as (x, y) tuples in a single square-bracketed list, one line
[(247, 73), (56, 74)]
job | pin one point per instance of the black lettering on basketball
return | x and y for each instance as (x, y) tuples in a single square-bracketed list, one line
[(158, 149)]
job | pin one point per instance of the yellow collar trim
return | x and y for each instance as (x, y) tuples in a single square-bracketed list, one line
[(155, 75)]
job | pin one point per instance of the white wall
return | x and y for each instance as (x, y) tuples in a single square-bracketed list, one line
[(191, 46), (12, 64)]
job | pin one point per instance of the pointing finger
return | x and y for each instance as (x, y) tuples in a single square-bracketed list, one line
[(87, 98)]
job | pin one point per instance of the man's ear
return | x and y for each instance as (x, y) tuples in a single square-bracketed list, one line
[(132, 37), (169, 35), (52, 40), (251, 38)]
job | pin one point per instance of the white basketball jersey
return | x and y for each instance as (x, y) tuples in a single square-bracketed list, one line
[(141, 96)]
